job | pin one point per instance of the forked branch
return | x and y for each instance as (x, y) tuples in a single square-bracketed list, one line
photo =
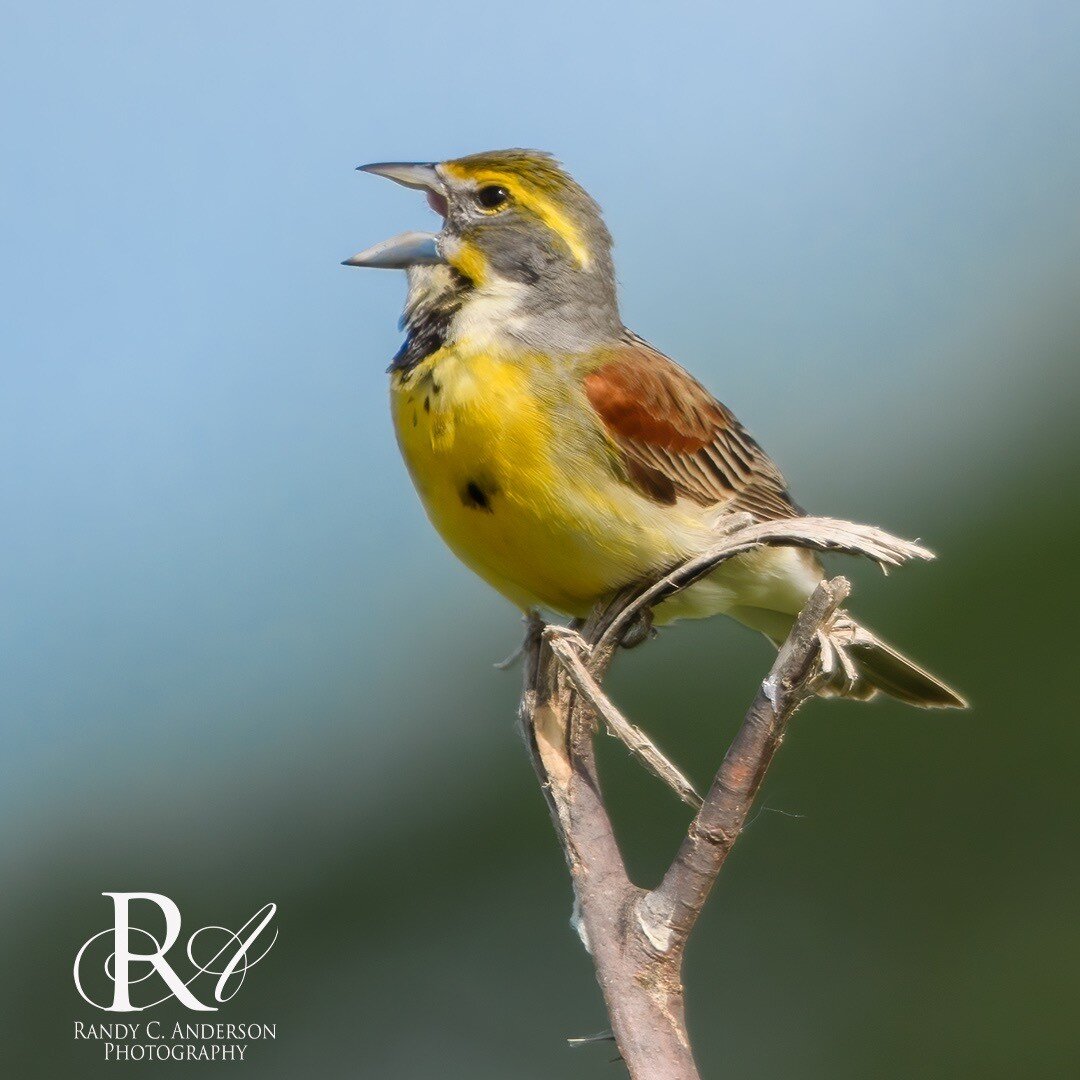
[(636, 937)]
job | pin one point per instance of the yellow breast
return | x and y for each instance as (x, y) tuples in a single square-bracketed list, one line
[(518, 481)]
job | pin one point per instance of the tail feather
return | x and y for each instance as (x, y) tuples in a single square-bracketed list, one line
[(879, 668)]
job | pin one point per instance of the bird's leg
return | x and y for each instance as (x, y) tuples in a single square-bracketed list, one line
[(570, 650), (639, 630)]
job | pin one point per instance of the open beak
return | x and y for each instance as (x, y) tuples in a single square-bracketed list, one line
[(409, 248), (400, 252)]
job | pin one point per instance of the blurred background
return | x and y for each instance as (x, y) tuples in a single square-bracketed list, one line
[(239, 666)]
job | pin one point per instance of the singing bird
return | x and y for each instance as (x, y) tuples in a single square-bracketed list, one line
[(559, 455)]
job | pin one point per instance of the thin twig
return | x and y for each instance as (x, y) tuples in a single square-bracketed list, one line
[(635, 740), (587, 1040)]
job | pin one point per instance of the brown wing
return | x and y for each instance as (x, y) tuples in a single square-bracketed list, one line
[(678, 440)]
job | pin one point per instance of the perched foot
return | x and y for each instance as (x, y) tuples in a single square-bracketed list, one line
[(639, 630)]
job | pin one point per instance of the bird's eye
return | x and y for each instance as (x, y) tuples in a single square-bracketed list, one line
[(492, 197)]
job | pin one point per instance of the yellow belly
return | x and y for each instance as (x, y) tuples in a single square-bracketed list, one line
[(521, 484), (520, 489)]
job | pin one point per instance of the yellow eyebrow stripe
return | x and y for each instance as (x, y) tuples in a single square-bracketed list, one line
[(543, 208)]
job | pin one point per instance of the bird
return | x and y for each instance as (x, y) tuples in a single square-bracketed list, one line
[(558, 454)]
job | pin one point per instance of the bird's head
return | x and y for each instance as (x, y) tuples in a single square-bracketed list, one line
[(522, 243)]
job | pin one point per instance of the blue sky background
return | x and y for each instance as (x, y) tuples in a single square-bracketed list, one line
[(856, 222)]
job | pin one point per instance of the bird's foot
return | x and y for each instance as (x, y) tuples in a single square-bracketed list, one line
[(639, 630), (834, 663)]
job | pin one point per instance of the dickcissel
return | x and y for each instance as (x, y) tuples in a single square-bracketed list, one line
[(558, 454)]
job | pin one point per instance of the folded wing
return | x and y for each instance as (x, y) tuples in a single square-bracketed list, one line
[(677, 440)]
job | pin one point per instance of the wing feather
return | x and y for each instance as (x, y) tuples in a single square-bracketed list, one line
[(676, 439)]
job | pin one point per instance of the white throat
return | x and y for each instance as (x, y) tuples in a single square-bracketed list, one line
[(493, 314)]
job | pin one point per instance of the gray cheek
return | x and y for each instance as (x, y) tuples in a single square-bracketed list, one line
[(520, 255)]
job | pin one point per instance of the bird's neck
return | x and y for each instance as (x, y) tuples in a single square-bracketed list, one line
[(445, 308)]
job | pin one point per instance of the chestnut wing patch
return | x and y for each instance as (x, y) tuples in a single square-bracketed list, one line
[(678, 440)]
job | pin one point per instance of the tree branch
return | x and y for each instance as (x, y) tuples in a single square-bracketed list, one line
[(637, 938), (668, 913)]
